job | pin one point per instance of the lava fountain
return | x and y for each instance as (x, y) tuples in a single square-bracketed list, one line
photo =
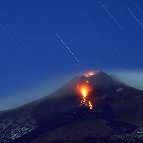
[(84, 91)]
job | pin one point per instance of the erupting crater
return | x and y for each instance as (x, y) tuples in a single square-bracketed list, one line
[(90, 73), (84, 91)]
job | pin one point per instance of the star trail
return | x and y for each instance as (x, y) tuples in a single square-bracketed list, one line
[(79, 35), (110, 15), (135, 18)]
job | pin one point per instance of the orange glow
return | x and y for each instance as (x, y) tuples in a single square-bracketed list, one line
[(90, 73), (84, 92), (90, 105)]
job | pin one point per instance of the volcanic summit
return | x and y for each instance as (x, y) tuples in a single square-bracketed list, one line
[(88, 109)]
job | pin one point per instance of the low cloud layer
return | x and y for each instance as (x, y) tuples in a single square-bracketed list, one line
[(131, 78)]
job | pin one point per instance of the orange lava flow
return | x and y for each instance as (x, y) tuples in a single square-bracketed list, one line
[(84, 91), (90, 105)]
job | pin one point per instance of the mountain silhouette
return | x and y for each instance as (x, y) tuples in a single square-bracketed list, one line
[(59, 118)]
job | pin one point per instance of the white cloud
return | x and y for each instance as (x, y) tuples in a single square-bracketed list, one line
[(131, 78)]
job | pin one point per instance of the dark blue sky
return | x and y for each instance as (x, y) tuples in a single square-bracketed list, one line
[(31, 51)]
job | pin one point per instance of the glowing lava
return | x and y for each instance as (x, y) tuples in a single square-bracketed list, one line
[(90, 73), (90, 105), (84, 91)]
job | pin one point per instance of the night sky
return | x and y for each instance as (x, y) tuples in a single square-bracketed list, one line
[(43, 40)]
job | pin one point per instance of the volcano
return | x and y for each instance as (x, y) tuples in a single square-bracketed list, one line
[(116, 115)]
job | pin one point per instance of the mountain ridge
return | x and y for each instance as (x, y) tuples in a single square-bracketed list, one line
[(113, 103)]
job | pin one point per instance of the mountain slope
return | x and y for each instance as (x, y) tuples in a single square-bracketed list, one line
[(116, 115)]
